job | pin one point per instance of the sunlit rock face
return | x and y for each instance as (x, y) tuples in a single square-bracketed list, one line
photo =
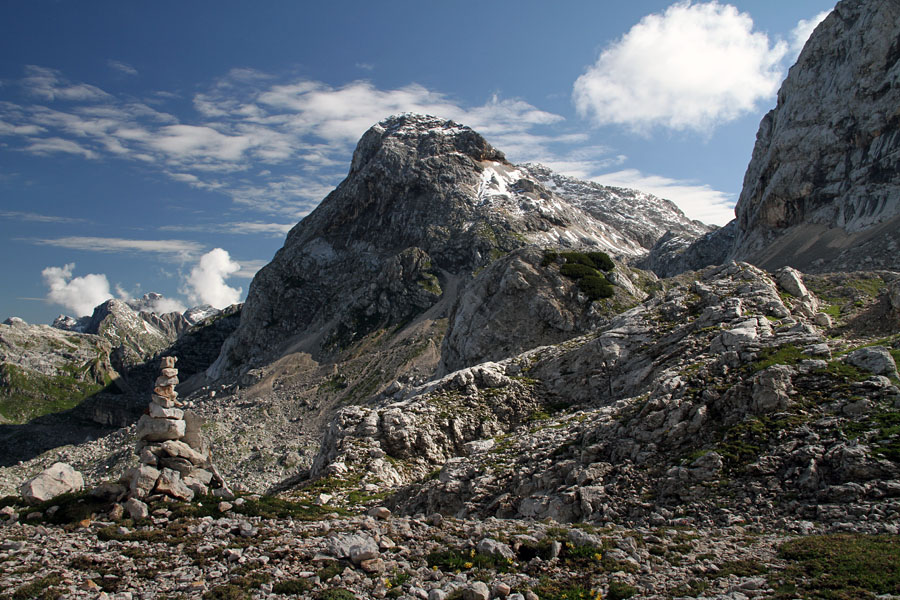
[(822, 190)]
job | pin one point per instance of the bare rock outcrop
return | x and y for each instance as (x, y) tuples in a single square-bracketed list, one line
[(520, 302), (53, 481), (822, 190)]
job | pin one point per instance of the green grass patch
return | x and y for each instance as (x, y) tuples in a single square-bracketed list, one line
[(457, 560), (840, 566), (25, 395), (869, 287), (746, 567), (336, 594), (73, 507), (292, 586), (843, 372), (782, 355), (272, 507), (619, 590), (886, 440), (550, 589), (743, 442), (40, 589)]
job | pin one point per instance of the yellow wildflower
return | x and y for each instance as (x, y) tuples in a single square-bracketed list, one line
[(467, 565), (598, 557)]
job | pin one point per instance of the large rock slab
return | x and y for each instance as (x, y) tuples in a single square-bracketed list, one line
[(59, 478), (170, 483), (179, 449), (158, 430), (875, 359)]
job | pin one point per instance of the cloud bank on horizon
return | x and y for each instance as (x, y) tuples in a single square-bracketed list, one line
[(205, 284)]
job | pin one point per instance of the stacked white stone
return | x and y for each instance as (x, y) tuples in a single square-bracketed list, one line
[(174, 459)]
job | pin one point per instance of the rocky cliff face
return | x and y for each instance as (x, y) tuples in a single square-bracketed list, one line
[(822, 190), (427, 203), (676, 253)]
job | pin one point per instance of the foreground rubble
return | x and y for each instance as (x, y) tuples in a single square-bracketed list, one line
[(266, 548)]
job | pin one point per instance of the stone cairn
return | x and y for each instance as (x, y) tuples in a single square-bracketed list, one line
[(175, 459)]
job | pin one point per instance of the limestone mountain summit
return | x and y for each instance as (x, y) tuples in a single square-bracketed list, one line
[(426, 204)]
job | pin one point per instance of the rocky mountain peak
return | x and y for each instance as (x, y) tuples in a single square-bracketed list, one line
[(424, 135), (426, 204)]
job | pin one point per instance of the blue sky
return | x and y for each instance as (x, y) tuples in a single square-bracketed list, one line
[(169, 146)]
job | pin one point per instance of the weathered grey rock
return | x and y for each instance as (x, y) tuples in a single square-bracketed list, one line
[(707, 467), (166, 401), (182, 465), (893, 293), (143, 480), (822, 320), (477, 591), (518, 303), (791, 281), (492, 547), (363, 552), (170, 483), (343, 544), (158, 430), (138, 335), (57, 479), (158, 412), (676, 253), (771, 389), (179, 449), (163, 381), (36, 356), (193, 435), (821, 190), (380, 512), (137, 509), (109, 491), (875, 359), (452, 188)]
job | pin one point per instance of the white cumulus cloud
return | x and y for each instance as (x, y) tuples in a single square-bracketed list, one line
[(206, 282), (690, 68), (78, 294), (163, 305)]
